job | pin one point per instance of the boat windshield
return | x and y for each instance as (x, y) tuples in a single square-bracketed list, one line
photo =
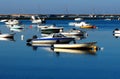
[(58, 35)]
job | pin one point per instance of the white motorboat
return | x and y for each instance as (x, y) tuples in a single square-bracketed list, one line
[(50, 29), (38, 20), (78, 19), (7, 39), (74, 32), (15, 26), (12, 22), (5, 35), (117, 31), (51, 39)]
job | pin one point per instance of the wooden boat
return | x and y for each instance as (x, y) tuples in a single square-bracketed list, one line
[(82, 46), (51, 39)]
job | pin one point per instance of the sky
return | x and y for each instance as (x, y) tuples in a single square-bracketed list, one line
[(59, 6)]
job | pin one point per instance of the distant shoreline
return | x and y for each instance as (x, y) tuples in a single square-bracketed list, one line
[(60, 16)]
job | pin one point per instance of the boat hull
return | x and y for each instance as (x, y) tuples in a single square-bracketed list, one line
[(76, 46), (75, 51), (116, 31), (52, 40), (49, 31), (88, 27)]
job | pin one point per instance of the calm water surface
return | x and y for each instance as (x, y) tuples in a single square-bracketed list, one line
[(19, 61)]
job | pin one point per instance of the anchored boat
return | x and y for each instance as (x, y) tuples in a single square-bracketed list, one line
[(51, 39), (82, 46)]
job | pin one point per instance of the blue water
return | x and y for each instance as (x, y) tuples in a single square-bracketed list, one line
[(19, 61)]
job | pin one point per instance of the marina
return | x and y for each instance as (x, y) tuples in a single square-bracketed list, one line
[(22, 61)]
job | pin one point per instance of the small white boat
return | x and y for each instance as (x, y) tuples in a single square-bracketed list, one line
[(78, 19), (16, 30), (50, 29), (51, 39), (12, 22), (117, 31), (74, 32), (15, 26), (37, 21), (3, 20), (72, 23), (7, 39), (6, 35), (82, 46)]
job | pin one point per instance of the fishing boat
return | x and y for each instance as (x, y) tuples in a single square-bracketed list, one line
[(82, 46), (51, 39)]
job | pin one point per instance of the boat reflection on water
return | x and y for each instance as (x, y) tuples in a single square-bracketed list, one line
[(63, 50), (116, 33), (36, 46), (75, 51)]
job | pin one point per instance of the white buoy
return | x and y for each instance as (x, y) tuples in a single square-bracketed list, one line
[(22, 37)]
